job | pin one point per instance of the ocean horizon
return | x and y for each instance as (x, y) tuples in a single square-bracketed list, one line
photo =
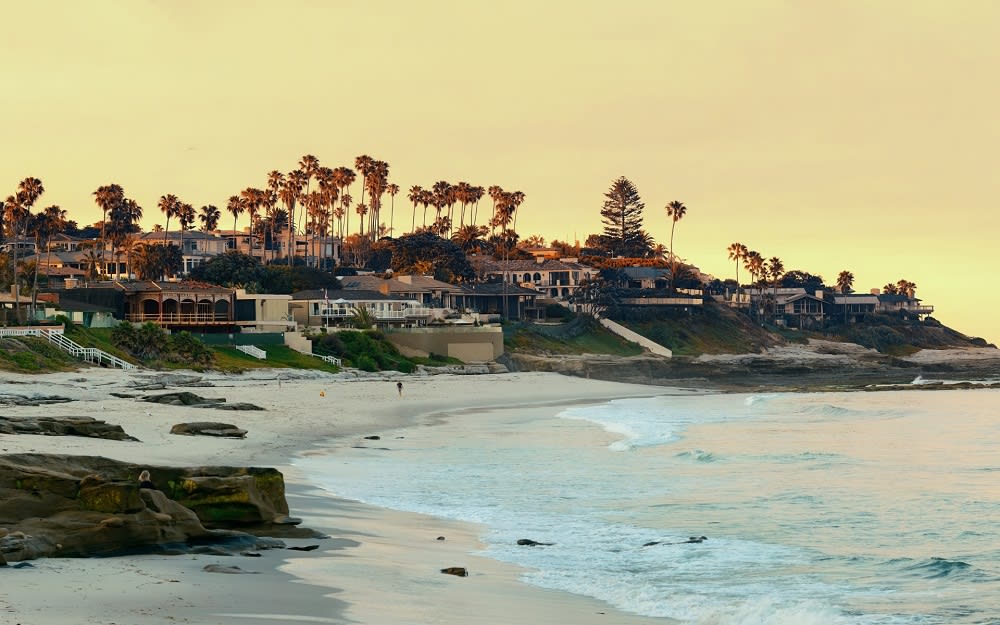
[(815, 508)]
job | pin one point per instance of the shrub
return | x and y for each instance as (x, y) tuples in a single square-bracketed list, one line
[(365, 363)]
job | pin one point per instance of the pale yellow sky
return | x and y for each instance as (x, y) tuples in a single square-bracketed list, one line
[(836, 135)]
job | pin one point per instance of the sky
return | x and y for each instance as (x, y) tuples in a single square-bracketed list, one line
[(859, 136)]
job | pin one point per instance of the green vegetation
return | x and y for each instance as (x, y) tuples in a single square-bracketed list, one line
[(33, 355), (581, 335), (369, 350), (231, 359)]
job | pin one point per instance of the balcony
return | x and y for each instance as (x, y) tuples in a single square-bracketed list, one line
[(410, 312), (181, 318)]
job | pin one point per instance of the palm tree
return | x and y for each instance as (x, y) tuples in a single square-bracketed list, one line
[(905, 287), (308, 168), (108, 197), (122, 222), (845, 281), (209, 217), (776, 269), (414, 195), (170, 205), (289, 195), (737, 252), (675, 211), (43, 225), (18, 217), (470, 238), (344, 177), (236, 205), (364, 165), (185, 215), (392, 190), (496, 192)]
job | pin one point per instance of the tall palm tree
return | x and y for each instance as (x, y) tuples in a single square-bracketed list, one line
[(364, 165), (170, 206), (476, 194), (308, 167), (392, 190), (470, 238), (275, 182), (775, 268), (289, 195), (19, 216), (236, 205), (675, 212), (209, 217), (845, 282), (737, 252), (496, 192), (185, 215), (43, 225), (344, 178), (108, 197), (414, 195), (122, 222)]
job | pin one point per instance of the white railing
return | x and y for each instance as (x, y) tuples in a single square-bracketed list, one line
[(403, 313), (250, 350), (333, 360), (60, 340)]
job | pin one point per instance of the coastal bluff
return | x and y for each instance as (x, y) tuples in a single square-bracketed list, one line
[(85, 506)]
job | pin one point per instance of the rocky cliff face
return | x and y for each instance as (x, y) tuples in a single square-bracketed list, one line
[(55, 505)]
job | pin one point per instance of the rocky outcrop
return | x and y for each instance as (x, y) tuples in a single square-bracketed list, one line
[(185, 398), (13, 399), (53, 505), (208, 428), (63, 426)]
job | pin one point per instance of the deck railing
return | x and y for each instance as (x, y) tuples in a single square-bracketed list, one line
[(251, 350), (189, 318)]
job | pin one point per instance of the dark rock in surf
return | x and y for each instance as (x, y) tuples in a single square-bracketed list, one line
[(527, 542), (459, 571)]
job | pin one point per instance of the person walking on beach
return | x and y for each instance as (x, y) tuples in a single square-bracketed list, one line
[(399, 388)]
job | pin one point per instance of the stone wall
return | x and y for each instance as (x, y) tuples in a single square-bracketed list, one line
[(467, 343)]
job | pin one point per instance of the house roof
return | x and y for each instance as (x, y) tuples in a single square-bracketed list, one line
[(74, 305), (185, 286), (892, 298), (787, 299), (488, 264), (397, 284), (176, 235)]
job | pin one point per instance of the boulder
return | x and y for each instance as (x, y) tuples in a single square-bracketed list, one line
[(208, 428), (185, 398), (527, 542), (63, 426), (459, 571), (68, 506)]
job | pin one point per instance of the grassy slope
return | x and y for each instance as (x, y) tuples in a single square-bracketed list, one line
[(714, 330), (580, 336)]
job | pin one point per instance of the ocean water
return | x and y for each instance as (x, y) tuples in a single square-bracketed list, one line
[(818, 509)]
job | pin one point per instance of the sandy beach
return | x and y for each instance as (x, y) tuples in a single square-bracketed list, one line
[(391, 560)]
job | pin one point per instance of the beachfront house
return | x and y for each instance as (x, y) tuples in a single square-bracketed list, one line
[(901, 304), (801, 310), (263, 312), (852, 307), (557, 279), (509, 301), (197, 249), (317, 251), (424, 289)]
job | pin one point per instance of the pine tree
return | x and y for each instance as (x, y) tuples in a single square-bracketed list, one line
[(622, 217)]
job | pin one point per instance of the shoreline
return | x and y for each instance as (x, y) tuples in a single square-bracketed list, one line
[(154, 589)]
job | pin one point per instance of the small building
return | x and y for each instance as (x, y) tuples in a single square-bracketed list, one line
[(801, 310), (852, 307), (902, 304), (424, 289), (496, 298), (197, 248), (187, 305), (557, 279), (263, 312)]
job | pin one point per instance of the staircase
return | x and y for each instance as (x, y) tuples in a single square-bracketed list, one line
[(60, 340), (250, 350)]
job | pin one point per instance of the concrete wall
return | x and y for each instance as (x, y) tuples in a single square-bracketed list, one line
[(467, 343), (299, 343)]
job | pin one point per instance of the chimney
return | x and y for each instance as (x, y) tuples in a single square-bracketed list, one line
[(875, 292), (819, 293), (539, 260)]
